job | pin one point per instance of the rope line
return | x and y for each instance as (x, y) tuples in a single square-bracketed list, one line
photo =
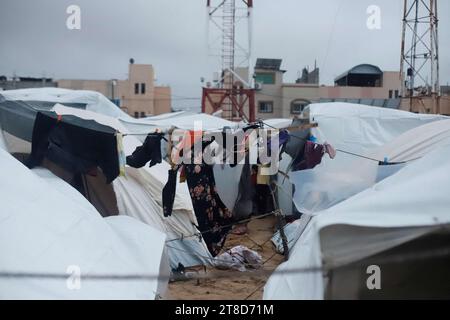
[(198, 234), (395, 259), (348, 152)]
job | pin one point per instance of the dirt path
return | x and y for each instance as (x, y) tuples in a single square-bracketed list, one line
[(247, 285)]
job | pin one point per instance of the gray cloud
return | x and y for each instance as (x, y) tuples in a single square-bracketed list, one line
[(171, 36)]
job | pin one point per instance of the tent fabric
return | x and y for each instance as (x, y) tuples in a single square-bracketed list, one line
[(415, 143), (189, 121), (374, 220), (93, 101), (26, 101), (353, 128), (139, 195), (98, 103), (190, 251), (46, 226), (76, 144)]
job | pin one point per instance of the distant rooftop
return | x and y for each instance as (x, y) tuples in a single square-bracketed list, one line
[(362, 75), (268, 64), (361, 69), (445, 90)]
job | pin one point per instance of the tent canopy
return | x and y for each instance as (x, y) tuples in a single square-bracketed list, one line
[(357, 129), (47, 226), (388, 216)]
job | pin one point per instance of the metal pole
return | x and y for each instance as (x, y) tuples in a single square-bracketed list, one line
[(402, 52)]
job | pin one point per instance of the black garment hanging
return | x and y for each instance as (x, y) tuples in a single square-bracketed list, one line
[(149, 151), (212, 215), (169, 191), (76, 144)]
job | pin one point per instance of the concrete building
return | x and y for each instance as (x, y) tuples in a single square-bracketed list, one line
[(137, 95), (365, 84), (25, 83), (309, 77)]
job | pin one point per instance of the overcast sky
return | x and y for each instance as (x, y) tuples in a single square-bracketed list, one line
[(171, 35)]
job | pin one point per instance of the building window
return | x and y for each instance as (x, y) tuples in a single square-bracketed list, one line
[(297, 106), (136, 114), (265, 78), (265, 107), (136, 88), (142, 88), (396, 94), (143, 115), (390, 94)]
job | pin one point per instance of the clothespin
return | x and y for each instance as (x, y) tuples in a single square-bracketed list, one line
[(313, 139)]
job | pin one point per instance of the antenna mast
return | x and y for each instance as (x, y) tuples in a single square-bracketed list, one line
[(420, 51)]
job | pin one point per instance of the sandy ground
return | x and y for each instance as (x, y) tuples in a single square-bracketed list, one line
[(234, 284)]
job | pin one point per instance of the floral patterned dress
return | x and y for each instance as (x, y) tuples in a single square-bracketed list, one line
[(212, 214)]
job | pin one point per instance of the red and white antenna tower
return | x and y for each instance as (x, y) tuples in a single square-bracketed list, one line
[(233, 92)]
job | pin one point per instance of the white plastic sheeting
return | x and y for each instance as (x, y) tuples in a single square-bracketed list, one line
[(98, 103), (292, 231), (188, 121), (406, 205), (46, 227), (353, 128), (416, 142), (227, 183), (94, 101), (139, 195), (227, 178)]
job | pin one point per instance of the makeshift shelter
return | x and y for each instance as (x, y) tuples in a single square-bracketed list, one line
[(139, 193), (404, 214), (46, 98), (348, 180), (49, 228), (355, 131)]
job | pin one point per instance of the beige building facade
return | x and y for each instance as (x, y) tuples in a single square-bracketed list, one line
[(138, 96), (365, 84)]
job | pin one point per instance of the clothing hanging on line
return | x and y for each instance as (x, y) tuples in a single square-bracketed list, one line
[(312, 155), (330, 150), (283, 138), (209, 209), (169, 191), (149, 151)]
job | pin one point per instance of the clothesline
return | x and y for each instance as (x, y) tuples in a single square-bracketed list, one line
[(393, 259), (350, 153), (166, 132), (198, 234)]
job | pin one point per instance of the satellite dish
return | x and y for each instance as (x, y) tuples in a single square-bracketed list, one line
[(131, 61)]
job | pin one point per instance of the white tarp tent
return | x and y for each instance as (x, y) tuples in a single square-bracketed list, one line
[(46, 227), (387, 211), (356, 129), (98, 103), (92, 101), (409, 146), (139, 195)]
